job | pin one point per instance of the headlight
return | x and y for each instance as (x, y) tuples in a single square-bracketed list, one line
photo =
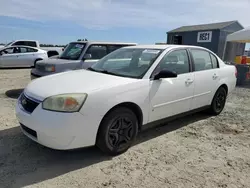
[(65, 102), (49, 68)]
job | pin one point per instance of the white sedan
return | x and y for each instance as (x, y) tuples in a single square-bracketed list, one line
[(21, 56), (122, 93)]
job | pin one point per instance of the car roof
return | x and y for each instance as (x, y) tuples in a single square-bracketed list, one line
[(22, 46), (164, 46), (102, 42)]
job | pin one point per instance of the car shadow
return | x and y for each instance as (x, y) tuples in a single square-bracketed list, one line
[(245, 85), (13, 68), (24, 162), (14, 93)]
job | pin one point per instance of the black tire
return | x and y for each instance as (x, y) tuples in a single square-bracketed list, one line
[(119, 125), (218, 102)]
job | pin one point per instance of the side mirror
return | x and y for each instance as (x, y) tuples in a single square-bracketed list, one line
[(87, 56), (165, 74)]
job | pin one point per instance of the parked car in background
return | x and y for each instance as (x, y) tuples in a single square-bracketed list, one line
[(124, 92), (77, 55), (21, 56), (31, 43)]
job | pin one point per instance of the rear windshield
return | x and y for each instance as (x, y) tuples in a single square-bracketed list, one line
[(73, 51)]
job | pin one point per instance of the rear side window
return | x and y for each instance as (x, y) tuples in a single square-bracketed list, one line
[(202, 60), (97, 51), (23, 50), (31, 50), (214, 61)]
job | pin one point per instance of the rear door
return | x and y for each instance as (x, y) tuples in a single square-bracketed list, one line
[(206, 77), (26, 56)]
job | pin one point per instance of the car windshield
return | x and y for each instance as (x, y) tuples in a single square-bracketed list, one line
[(73, 51), (8, 44), (127, 62)]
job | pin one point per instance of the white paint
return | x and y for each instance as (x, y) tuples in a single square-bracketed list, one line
[(26, 59), (156, 98)]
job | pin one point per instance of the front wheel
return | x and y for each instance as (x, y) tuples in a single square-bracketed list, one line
[(218, 102), (117, 131)]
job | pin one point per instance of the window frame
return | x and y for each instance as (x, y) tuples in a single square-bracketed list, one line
[(217, 62), (170, 51)]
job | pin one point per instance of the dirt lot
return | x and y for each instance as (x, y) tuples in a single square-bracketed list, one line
[(196, 151)]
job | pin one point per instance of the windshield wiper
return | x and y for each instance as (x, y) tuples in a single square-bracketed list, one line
[(90, 68), (103, 71)]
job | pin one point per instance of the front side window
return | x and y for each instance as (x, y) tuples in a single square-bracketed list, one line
[(176, 61), (127, 62), (8, 44), (11, 50), (97, 51), (19, 43), (202, 60), (73, 51)]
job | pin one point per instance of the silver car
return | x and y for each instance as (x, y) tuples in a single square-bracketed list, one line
[(21, 56), (77, 55)]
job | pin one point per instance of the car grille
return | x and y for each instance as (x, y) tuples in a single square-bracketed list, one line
[(40, 67), (28, 104), (29, 131)]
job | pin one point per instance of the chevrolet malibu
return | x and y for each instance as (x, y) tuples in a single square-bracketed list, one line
[(124, 92)]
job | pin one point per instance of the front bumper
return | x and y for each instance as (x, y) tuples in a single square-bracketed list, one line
[(56, 130), (34, 73)]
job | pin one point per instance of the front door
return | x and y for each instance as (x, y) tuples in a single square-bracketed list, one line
[(9, 57), (206, 75), (172, 96)]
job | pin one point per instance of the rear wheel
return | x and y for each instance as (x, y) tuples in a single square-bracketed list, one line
[(218, 102), (117, 131)]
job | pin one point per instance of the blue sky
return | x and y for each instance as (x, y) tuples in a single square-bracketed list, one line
[(141, 21)]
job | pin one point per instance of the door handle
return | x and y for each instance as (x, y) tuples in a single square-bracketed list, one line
[(189, 81)]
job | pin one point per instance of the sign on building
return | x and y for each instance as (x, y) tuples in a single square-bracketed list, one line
[(205, 36)]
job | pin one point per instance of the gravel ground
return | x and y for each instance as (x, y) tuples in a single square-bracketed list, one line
[(196, 151)]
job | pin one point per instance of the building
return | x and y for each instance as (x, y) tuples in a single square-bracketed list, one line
[(247, 53), (211, 36)]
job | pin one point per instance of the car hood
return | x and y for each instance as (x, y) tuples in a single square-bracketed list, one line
[(78, 81), (56, 61)]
